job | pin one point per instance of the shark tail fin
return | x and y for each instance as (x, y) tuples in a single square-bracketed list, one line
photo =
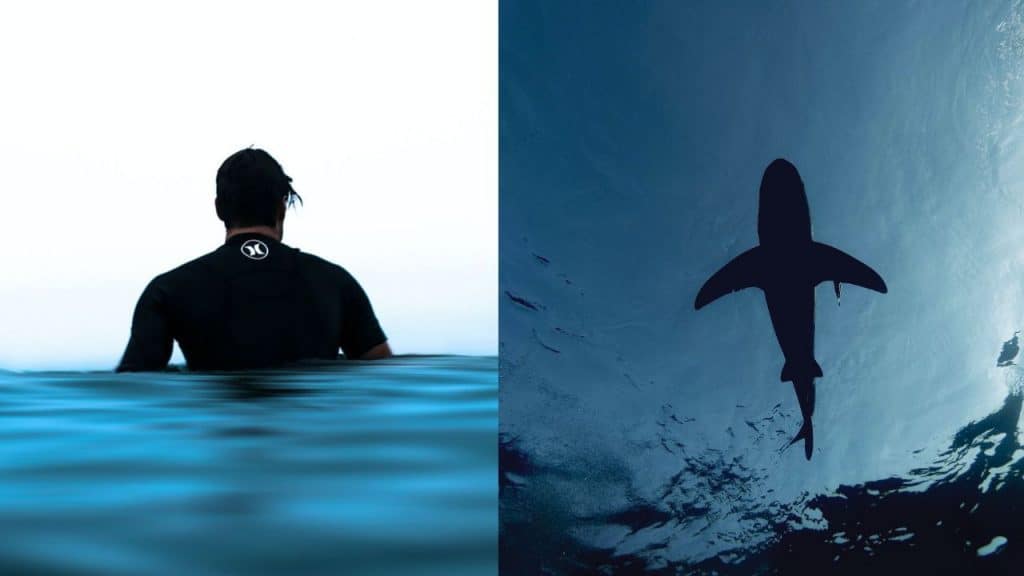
[(806, 434), (791, 371)]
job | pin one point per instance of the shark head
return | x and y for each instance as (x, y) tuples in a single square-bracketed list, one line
[(783, 216)]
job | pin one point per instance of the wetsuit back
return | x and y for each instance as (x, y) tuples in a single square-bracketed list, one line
[(252, 303)]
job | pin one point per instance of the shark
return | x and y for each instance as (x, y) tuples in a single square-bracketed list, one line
[(787, 265)]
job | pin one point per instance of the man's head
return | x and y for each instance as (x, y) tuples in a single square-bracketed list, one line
[(253, 190)]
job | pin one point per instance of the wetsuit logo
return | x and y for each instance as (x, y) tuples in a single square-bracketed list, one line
[(255, 249)]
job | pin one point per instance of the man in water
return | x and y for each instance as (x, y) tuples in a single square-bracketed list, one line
[(254, 302)]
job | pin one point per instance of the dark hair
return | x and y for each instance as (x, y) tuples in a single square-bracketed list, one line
[(250, 187)]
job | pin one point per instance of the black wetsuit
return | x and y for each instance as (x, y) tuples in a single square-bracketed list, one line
[(252, 303)]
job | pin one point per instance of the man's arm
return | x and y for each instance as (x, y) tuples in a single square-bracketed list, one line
[(382, 350), (151, 344), (361, 335)]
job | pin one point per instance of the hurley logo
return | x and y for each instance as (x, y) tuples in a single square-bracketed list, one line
[(255, 249)]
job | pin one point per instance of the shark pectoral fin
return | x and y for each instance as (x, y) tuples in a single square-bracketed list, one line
[(743, 271), (833, 264)]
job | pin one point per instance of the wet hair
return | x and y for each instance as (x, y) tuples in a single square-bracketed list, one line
[(250, 188)]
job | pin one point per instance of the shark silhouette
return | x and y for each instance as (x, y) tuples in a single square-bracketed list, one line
[(787, 265)]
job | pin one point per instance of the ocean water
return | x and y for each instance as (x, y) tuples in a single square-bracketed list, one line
[(960, 513), (383, 467), (640, 435)]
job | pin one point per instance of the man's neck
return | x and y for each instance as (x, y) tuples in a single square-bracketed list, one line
[(272, 231)]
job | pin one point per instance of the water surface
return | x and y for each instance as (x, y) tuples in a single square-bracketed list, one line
[(383, 467)]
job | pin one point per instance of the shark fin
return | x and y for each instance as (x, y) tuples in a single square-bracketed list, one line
[(806, 434), (833, 264), (743, 271)]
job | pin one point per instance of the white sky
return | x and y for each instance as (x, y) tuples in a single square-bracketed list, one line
[(114, 117)]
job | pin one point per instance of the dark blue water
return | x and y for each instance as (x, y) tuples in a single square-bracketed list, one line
[(362, 468), (642, 435), (960, 514)]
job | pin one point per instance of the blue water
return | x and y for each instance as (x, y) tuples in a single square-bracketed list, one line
[(385, 467), (960, 513), (642, 435)]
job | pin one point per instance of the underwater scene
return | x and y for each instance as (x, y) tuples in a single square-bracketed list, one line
[(639, 434)]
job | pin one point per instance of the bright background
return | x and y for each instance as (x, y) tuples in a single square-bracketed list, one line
[(115, 117)]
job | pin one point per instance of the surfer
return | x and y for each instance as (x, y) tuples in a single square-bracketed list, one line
[(253, 302)]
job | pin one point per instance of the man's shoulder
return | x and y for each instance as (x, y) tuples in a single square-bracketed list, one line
[(188, 271), (313, 264)]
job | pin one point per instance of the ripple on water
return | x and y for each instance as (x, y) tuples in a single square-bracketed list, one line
[(384, 467)]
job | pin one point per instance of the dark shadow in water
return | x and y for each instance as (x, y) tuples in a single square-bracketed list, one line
[(887, 525), (256, 387), (946, 518), (534, 533), (281, 382), (513, 463), (1010, 350)]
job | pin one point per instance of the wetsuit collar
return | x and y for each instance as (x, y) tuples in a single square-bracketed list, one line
[(239, 239)]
